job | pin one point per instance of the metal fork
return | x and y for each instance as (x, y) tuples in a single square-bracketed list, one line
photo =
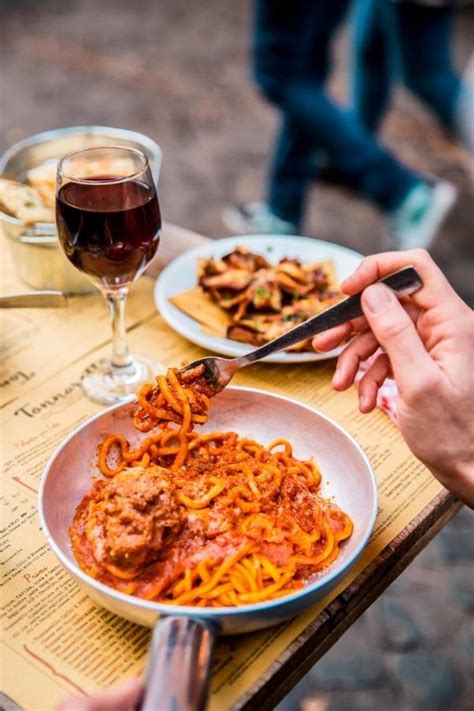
[(219, 371)]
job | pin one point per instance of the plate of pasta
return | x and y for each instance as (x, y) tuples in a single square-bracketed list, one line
[(237, 293)]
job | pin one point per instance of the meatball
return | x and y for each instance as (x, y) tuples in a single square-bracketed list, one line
[(133, 516)]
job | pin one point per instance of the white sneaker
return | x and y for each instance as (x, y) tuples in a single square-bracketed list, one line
[(256, 218), (417, 220)]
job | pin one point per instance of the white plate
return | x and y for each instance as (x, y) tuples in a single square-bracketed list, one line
[(180, 275)]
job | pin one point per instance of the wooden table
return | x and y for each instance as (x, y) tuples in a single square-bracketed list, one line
[(326, 629)]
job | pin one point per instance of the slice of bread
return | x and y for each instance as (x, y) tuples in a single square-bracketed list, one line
[(43, 179), (23, 202)]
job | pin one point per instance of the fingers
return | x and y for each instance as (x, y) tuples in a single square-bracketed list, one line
[(436, 287), (121, 697), (349, 361), (335, 336), (397, 334), (372, 381)]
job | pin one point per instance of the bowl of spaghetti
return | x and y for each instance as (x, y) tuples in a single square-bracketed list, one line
[(198, 518), (254, 515)]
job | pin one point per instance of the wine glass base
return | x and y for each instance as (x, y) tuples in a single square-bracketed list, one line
[(111, 385)]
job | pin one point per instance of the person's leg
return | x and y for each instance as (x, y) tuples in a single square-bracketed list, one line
[(286, 69), (291, 169), (350, 147), (372, 68), (292, 40), (424, 38), (416, 209)]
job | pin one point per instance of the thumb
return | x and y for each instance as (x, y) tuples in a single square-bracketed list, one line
[(397, 334), (120, 697)]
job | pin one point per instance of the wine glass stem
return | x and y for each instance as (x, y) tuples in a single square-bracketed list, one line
[(116, 301)]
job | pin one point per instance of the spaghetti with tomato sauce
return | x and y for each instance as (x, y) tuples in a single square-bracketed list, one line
[(207, 520)]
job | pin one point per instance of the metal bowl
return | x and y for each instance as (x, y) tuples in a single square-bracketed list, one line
[(347, 476), (179, 665), (39, 259)]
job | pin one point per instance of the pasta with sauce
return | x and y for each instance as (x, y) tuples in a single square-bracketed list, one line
[(203, 519)]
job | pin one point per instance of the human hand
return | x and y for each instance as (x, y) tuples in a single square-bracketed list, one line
[(121, 697), (428, 339)]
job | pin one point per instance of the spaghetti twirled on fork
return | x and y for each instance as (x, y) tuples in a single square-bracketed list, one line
[(203, 519)]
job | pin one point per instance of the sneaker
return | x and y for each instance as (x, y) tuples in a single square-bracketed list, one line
[(256, 218), (417, 220)]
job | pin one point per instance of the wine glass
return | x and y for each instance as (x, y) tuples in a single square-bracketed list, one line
[(109, 224)]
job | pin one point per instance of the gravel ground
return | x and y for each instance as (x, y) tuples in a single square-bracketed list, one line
[(178, 71)]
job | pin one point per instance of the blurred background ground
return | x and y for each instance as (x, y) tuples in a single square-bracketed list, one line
[(178, 71)]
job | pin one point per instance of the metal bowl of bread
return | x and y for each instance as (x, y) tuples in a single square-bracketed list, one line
[(27, 196)]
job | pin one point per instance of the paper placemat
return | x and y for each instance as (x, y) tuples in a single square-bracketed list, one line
[(59, 642)]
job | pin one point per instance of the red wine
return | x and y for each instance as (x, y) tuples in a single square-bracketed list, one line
[(109, 231)]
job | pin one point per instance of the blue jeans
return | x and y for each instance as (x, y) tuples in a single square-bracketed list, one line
[(408, 41), (291, 64)]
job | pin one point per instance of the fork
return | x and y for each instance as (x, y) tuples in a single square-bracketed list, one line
[(219, 371)]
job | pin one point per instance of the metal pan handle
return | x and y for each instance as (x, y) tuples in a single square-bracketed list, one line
[(179, 665)]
